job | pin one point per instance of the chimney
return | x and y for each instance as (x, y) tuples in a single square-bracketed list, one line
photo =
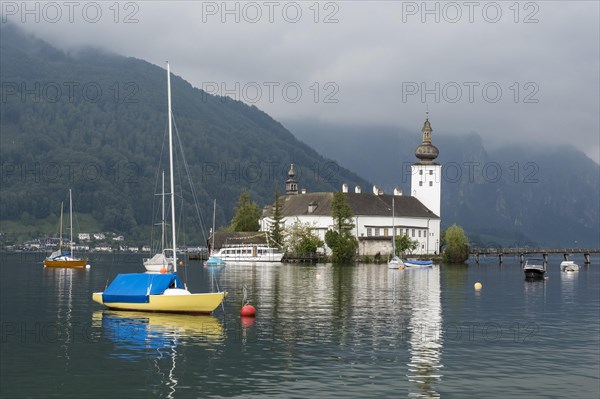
[(357, 189), (345, 187), (303, 191), (397, 191)]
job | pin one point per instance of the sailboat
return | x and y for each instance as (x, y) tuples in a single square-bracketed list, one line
[(395, 262), (214, 260), (160, 261), (159, 292), (60, 258)]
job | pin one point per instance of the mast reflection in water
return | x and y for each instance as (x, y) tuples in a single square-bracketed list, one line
[(424, 327)]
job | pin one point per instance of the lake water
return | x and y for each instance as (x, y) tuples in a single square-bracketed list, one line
[(321, 331)]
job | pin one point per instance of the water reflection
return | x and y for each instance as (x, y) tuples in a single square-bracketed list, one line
[(66, 284), (567, 286), (157, 337), (425, 340)]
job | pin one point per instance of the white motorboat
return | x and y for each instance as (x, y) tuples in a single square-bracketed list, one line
[(569, 266)]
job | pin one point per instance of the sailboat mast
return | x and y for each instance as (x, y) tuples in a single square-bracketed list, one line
[(162, 239), (393, 228), (212, 248), (62, 205), (71, 219), (172, 183)]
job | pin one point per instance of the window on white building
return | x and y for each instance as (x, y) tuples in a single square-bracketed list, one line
[(385, 232), (376, 231), (413, 232), (369, 232), (420, 183), (420, 172), (430, 184), (431, 172), (419, 233)]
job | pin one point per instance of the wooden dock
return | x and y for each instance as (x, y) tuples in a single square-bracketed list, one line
[(522, 252)]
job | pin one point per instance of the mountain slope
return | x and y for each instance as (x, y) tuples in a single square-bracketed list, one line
[(96, 122)]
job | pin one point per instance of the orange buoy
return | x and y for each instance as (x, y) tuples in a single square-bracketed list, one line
[(248, 311), (163, 270), (180, 263)]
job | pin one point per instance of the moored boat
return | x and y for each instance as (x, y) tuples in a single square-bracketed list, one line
[(156, 293), (395, 263), (61, 258), (249, 253), (534, 269), (417, 263), (159, 292), (569, 266), (214, 261), (160, 261)]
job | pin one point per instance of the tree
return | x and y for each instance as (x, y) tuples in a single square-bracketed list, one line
[(404, 244), (299, 238), (457, 245), (276, 232), (341, 212), (246, 214), (341, 241)]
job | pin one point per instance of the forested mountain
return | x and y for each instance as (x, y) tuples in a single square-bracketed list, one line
[(517, 195), (96, 123)]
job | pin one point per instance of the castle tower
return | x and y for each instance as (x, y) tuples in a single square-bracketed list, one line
[(291, 185), (426, 181)]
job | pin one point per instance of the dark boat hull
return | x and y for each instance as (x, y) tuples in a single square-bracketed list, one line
[(535, 274)]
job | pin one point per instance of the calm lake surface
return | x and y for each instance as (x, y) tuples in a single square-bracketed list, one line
[(321, 331)]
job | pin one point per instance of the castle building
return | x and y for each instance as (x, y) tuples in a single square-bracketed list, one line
[(417, 215)]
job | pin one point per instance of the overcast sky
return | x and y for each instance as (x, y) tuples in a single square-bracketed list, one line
[(511, 71)]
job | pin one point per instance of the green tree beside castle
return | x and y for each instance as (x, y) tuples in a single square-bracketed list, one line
[(246, 215), (341, 241), (276, 234), (456, 245), (405, 244)]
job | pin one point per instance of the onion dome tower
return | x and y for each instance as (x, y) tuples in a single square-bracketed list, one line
[(291, 185), (426, 179), (426, 152)]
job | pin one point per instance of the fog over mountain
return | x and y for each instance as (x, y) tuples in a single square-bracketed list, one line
[(525, 72)]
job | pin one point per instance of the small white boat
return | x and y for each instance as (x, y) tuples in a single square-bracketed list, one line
[(159, 262), (395, 263), (569, 266), (534, 269)]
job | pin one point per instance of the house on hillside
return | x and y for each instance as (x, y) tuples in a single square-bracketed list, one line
[(417, 216)]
